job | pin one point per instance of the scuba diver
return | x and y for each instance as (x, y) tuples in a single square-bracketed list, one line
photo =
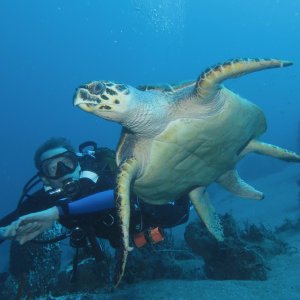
[(77, 191)]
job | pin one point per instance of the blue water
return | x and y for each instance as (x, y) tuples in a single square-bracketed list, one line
[(48, 48)]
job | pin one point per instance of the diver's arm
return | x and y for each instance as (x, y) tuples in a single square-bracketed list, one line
[(91, 204), (5, 221), (11, 231), (29, 226), (3, 234), (27, 207), (9, 218), (36, 202)]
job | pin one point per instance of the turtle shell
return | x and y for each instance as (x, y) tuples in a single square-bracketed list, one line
[(194, 152)]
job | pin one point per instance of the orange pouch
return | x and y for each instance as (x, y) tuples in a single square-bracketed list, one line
[(139, 239), (156, 235)]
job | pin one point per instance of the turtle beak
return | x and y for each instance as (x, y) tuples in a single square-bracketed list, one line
[(85, 107), (85, 101)]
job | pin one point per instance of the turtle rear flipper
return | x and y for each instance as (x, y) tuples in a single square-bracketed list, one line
[(126, 173), (232, 182), (271, 150)]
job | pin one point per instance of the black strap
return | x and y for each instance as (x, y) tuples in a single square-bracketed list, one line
[(33, 181), (65, 209), (51, 241), (87, 144), (97, 248), (75, 267)]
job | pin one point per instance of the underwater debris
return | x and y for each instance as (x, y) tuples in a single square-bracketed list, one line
[(242, 256), (14, 289), (21, 287), (91, 274), (164, 260), (288, 224)]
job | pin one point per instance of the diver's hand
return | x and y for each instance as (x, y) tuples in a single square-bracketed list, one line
[(31, 225), (8, 232)]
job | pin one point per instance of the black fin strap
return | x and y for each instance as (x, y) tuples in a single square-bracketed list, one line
[(75, 266), (63, 210)]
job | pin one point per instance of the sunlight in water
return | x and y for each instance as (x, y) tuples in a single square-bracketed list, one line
[(165, 16)]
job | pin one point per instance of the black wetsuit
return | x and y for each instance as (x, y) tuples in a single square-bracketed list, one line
[(104, 223)]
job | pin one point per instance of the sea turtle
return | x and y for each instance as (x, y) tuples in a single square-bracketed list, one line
[(177, 140)]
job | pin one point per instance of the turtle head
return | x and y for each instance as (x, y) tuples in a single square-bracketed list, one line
[(105, 99)]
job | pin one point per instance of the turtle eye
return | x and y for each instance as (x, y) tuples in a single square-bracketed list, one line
[(84, 95), (97, 88)]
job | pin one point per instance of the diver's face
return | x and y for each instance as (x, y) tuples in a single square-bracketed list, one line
[(59, 165)]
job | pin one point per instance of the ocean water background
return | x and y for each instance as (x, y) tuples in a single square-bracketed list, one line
[(48, 48)]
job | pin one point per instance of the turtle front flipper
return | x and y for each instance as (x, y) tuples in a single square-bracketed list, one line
[(206, 212), (271, 150), (209, 81), (127, 172)]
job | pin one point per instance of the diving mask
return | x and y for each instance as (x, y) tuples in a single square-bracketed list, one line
[(59, 165)]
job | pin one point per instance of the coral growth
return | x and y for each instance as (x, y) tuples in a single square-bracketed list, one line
[(243, 255), (87, 275), (292, 225), (33, 267), (164, 260)]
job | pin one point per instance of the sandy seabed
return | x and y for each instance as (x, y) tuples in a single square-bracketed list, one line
[(283, 284), (281, 202)]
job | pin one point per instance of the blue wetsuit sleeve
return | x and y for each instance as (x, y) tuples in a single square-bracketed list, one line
[(91, 204)]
